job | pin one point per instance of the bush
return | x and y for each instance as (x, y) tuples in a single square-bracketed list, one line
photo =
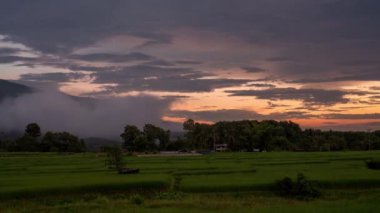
[(373, 164), (114, 157), (136, 199), (176, 183), (301, 188)]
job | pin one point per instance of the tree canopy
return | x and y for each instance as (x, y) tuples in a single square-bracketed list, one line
[(152, 138), (270, 135), (245, 135), (50, 142)]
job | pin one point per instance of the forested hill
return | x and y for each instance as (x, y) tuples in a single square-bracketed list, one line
[(10, 90)]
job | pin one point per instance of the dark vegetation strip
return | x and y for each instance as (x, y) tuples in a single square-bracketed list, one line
[(29, 171), (349, 159), (350, 184), (214, 189), (327, 185), (135, 187), (216, 172), (291, 163), (197, 169)]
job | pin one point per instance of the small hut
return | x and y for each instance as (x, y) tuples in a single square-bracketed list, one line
[(222, 147)]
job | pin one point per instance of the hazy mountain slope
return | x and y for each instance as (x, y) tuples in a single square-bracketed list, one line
[(11, 90)]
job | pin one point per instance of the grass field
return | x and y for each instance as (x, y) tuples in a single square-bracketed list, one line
[(221, 182)]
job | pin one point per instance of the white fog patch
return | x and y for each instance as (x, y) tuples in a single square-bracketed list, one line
[(55, 111)]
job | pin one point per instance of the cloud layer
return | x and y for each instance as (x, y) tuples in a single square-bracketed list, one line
[(301, 56)]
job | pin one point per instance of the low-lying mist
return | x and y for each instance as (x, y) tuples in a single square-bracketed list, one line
[(55, 111)]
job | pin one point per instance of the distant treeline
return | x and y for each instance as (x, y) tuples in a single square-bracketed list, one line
[(270, 135), (246, 135), (33, 141)]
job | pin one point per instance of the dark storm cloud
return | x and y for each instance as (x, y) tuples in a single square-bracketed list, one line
[(308, 37), (371, 101), (179, 84), (160, 62), (60, 27), (253, 69), (176, 83), (371, 75), (141, 71), (75, 67), (153, 38), (361, 63), (114, 58), (374, 116), (7, 59), (9, 51), (261, 85), (51, 77), (255, 20), (280, 59), (272, 105), (218, 115), (157, 78), (301, 41), (309, 96), (363, 14), (53, 27), (235, 114), (188, 62), (290, 115), (141, 78), (68, 64)]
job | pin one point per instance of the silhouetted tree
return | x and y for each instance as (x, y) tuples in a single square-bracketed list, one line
[(33, 130), (61, 142), (129, 136), (114, 157), (155, 134)]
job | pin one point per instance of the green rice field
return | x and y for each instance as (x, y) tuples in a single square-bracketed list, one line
[(220, 182)]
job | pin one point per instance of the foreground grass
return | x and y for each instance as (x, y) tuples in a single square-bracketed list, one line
[(222, 182), (337, 201)]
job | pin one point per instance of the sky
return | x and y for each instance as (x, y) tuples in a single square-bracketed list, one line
[(316, 63)]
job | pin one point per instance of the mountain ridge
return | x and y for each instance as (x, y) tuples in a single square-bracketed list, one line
[(10, 89)]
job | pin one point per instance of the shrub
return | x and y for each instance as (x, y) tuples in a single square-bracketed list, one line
[(114, 157), (373, 164), (301, 188), (176, 183), (285, 186), (136, 199)]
